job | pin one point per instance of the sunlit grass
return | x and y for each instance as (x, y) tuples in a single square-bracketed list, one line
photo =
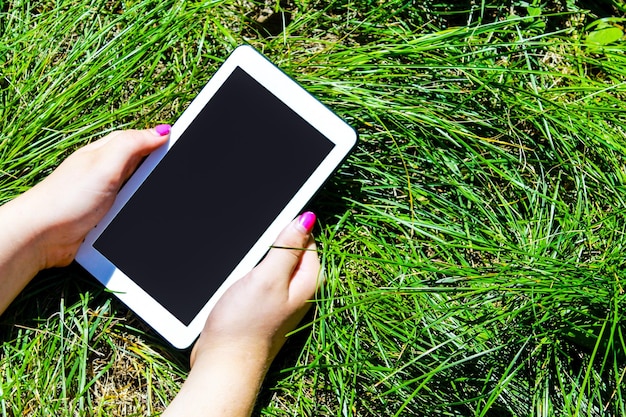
[(473, 242)]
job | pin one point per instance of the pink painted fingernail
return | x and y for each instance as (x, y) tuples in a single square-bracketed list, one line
[(163, 130), (307, 220)]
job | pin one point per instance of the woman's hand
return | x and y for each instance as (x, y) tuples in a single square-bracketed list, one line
[(67, 204), (261, 308), (44, 227), (248, 326)]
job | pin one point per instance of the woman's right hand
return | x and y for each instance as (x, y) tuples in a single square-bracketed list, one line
[(248, 326)]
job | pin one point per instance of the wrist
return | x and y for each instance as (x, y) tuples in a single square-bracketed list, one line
[(222, 382), (21, 226), (21, 256), (241, 353), (51, 237)]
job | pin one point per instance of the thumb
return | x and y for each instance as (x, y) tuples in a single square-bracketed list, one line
[(288, 249), (126, 149), (137, 142)]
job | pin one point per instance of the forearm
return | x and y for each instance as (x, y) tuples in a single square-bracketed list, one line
[(20, 254), (222, 384)]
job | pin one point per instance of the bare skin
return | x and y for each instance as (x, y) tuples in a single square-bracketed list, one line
[(44, 227)]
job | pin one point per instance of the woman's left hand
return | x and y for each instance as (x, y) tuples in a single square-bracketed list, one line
[(67, 204)]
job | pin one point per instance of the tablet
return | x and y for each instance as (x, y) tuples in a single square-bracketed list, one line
[(201, 211)]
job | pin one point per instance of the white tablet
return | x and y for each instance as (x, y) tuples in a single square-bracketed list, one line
[(200, 212)]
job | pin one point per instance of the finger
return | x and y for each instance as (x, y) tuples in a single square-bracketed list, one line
[(124, 150), (289, 248), (138, 142), (159, 132), (306, 277)]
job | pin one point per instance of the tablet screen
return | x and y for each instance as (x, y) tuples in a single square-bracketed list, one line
[(213, 195)]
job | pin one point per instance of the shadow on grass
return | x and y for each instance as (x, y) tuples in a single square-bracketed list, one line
[(287, 358), (44, 296)]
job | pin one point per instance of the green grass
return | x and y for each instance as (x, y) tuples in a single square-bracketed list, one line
[(473, 242)]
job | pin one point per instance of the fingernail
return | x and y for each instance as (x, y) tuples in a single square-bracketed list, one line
[(307, 220), (163, 130)]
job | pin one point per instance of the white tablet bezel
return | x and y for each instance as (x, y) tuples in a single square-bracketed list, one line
[(289, 92)]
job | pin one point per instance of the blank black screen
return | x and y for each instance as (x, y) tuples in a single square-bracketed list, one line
[(213, 195)]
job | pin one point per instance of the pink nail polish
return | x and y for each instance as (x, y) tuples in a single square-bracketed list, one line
[(307, 220), (163, 130)]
